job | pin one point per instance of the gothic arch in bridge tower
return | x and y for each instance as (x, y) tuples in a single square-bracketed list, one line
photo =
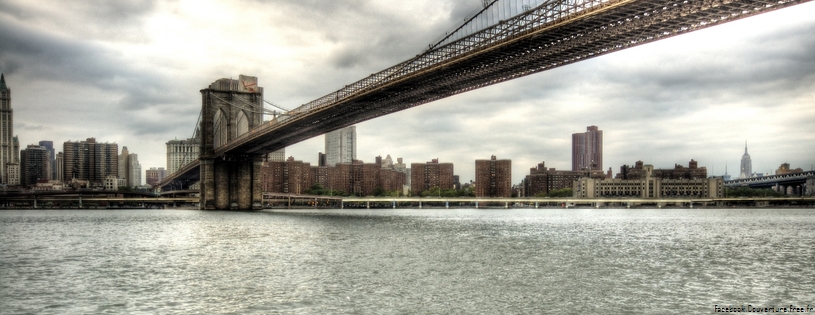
[(241, 123), (230, 180), (220, 132)]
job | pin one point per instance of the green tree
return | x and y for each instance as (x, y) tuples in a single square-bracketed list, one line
[(561, 193), (750, 192)]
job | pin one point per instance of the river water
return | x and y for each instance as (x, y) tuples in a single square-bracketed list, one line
[(431, 261)]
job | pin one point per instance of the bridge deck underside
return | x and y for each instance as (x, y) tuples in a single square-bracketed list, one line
[(596, 32), (601, 32)]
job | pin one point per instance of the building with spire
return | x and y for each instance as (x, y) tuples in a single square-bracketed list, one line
[(9, 147), (746, 164)]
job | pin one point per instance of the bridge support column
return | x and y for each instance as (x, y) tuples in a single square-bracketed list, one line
[(231, 183)]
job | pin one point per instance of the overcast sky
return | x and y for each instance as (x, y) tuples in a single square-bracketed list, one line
[(130, 72)]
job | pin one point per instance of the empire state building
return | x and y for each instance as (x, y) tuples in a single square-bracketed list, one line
[(746, 164)]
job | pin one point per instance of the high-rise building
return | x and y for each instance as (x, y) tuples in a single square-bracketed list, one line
[(34, 165), (134, 170), (129, 168), (279, 155), (59, 163), (9, 147), (341, 146), (52, 167), (746, 164), (123, 173), (13, 171), (493, 178), (587, 150), (181, 152), (155, 175), (429, 175), (89, 160)]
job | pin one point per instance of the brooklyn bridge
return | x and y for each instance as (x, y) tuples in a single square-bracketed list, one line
[(507, 39)]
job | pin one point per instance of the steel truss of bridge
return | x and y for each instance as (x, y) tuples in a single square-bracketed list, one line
[(550, 35), (789, 179)]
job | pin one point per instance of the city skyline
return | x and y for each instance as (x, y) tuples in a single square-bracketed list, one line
[(128, 76)]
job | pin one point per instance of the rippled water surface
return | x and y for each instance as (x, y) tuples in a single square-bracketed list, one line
[(405, 261)]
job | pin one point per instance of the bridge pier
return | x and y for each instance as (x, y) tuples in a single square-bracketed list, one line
[(231, 183)]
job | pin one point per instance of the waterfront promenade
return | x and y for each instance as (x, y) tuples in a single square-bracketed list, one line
[(480, 202)]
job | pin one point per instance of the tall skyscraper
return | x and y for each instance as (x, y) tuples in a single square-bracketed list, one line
[(9, 148), (123, 166), (59, 163), (34, 165), (746, 164), (129, 168), (587, 150), (89, 160), (341, 146), (52, 167), (181, 152), (493, 178)]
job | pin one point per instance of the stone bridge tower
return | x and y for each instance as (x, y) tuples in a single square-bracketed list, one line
[(229, 109)]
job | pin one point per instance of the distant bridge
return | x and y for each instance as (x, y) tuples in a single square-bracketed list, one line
[(490, 47), (802, 183)]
